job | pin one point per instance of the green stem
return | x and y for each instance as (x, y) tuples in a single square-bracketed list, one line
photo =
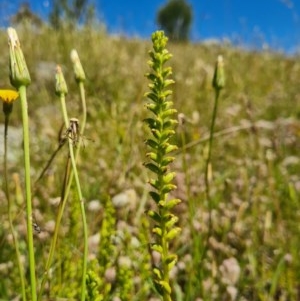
[(84, 111), (208, 161), (62, 204), (199, 256), (165, 269), (10, 219), (64, 197), (22, 92), (80, 196), (84, 222)]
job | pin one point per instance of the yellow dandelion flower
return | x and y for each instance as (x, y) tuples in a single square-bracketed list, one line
[(8, 96)]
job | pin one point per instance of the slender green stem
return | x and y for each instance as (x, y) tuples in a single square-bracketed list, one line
[(208, 161), (165, 253), (84, 222), (64, 110), (22, 92), (10, 219), (62, 204), (84, 111), (64, 196), (80, 196)]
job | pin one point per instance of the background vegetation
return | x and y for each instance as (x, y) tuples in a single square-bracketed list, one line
[(252, 250)]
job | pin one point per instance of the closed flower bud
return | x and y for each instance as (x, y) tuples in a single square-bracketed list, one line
[(19, 74), (78, 70), (60, 84), (219, 76)]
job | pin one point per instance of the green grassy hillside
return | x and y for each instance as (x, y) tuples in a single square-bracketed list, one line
[(252, 250)]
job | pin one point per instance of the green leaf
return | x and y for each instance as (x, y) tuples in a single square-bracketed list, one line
[(152, 143), (154, 183), (150, 122), (173, 233), (158, 288), (151, 76), (152, 96), (155, 196), (155, 216), (153, 167)]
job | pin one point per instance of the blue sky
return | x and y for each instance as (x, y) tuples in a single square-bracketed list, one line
[(254, 23)]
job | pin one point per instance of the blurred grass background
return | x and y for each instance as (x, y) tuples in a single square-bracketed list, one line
[(253, 250)]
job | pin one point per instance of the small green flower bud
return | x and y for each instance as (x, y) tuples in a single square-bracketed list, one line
[(60, 85), (78, 70), (19, 74), (219, 76)]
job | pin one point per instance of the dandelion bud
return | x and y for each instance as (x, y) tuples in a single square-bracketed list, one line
[(78, 70), (219, 76), (60, 85), (19, 74)]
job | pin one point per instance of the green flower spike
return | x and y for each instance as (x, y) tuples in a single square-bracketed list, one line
[(19, 74), (161, 125)]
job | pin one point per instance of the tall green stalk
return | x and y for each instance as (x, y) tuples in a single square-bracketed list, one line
[(80, 79), (22, 91), (7, 109), (61, 90), (20, 79), (161, 126), (78, 188), (218, 84)]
